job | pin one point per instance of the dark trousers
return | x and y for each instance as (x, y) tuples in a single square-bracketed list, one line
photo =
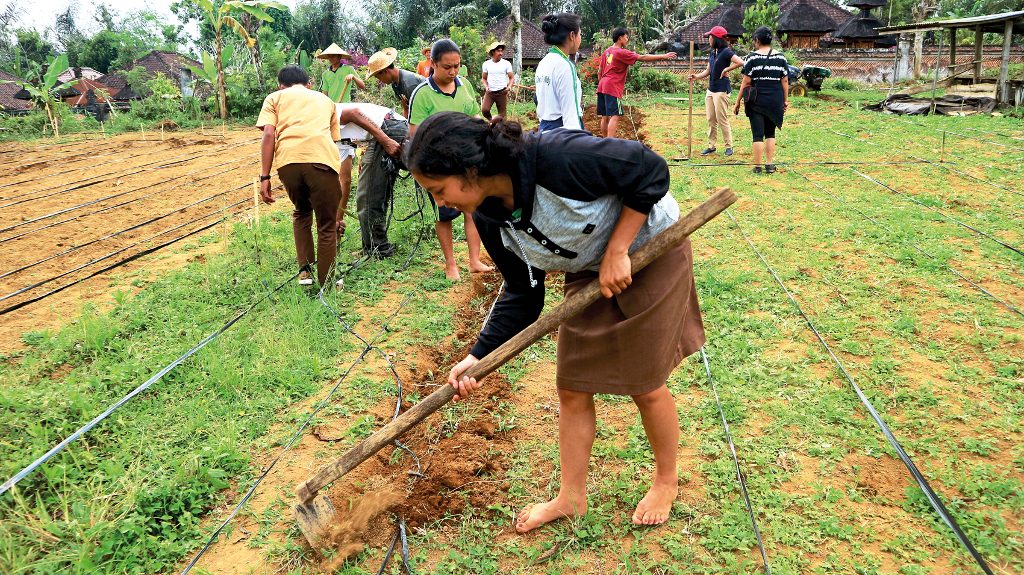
[(313, 189), (374, 191), (490, 98)]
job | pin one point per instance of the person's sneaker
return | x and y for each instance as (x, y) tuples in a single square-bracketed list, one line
[(708, 151), (756, 170), (769, 168), (728, 151), (305, 279)]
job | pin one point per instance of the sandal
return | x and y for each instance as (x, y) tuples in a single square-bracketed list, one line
[(769, 168), (756, 170)]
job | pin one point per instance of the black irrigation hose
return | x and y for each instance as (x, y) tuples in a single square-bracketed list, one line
[(944, 130), (85, 182), (114, 265), (945, 165), (941, 213), (787, 164), (736, 462), (114, 234), (65, 161), (145, 385), (995, 134), (913, 245), (922, 482), (110, 197)]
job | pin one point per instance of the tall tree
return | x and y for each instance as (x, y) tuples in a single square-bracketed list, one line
[(223, 17), (517, 38)]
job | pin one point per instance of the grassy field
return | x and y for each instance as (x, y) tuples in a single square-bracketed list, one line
[(870, 266)]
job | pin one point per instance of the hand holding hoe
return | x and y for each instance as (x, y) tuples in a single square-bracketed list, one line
[(316, 514)]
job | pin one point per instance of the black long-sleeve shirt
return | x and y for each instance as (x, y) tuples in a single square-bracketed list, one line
[(570, 164)]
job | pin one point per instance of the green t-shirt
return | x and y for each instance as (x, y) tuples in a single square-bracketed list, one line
[(333, 81), (428, 100)]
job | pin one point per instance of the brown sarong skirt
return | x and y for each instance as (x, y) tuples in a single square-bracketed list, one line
[(629, 344)]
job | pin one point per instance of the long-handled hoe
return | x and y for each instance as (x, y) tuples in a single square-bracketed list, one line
[(315, 514)]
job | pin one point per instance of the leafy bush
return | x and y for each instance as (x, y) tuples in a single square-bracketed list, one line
[(644, 79), (161, 99), (843, 85)]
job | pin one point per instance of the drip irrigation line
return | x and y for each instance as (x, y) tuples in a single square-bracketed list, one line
[(368, 346), (788, 164), (933, 499), (968, 136), (143, 387), (99, 179), (114, 234), (996, 134), (915, 246), (941, 213), (736, 462), (971, 176), (88, 157), (110, 197), (116, 264), (945, 165)]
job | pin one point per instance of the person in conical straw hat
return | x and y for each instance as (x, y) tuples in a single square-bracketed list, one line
[(338, 79), (384, 67)]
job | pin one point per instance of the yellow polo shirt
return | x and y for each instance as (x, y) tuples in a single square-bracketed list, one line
[(307, 127)]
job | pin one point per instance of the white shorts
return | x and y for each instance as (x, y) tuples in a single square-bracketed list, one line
[(345, 150)]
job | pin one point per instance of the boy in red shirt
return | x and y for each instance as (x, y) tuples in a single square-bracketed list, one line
[(615, 63)]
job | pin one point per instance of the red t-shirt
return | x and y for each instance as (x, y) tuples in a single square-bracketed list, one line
[(615, 63)]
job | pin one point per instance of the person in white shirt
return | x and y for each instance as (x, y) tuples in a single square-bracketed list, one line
[(497, 77), (558, 87), (384, 130)]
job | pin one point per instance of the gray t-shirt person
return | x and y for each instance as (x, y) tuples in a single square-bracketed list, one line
[(407, 82)]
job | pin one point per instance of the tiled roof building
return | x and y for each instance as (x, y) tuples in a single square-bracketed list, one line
[(8, 102)]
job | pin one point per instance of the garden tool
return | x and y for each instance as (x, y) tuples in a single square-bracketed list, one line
[(315, 513)]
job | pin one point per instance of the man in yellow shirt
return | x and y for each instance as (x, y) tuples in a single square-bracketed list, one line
[(299, 128)]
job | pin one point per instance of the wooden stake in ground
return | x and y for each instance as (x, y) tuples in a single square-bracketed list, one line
[(255, 202), (689, 120), (316, 514), (161, 132)]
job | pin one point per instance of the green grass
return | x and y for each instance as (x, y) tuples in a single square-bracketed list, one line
[(939, 360)]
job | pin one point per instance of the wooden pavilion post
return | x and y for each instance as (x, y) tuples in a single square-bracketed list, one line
[(1003, 89), (952, 51), (979, 39)]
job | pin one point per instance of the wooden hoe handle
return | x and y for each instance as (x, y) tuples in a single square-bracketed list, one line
[(657, 246)]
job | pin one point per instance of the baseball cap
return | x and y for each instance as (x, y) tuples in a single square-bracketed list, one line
[(718, 32)]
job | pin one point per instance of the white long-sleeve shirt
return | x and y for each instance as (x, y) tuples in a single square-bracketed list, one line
[(558, 91)]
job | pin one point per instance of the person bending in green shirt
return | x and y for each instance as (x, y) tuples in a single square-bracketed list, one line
[(337, 80), (445, 91)]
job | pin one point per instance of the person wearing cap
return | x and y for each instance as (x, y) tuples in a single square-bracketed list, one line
[(384, 131), (383, 66), (497, 77), (423, 66), (721, 61), (299, 128), (337, 80), (611, 83)]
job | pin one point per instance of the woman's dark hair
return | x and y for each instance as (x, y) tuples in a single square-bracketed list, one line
[(442, 47), (763, 35), (556, 27), (718, 43), (452, 143), (619, 33), (292, 75)]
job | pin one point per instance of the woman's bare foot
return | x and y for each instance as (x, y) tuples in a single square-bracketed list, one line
[(655, 507), (451, 271), (480, 267), (540, 513)]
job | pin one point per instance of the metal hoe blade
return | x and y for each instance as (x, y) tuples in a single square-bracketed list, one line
[(315, 519)]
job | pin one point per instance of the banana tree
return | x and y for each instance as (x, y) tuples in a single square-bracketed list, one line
[(222, 16), (43, 90)]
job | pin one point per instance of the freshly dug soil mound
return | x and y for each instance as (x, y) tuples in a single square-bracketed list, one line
[(631, 123)]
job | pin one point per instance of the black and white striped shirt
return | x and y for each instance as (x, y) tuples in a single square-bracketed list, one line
[(766, 67)]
